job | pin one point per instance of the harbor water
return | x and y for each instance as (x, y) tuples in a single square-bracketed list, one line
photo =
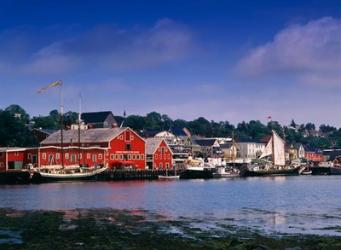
[(297, 204)]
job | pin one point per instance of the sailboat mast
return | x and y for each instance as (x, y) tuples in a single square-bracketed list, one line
[(79, 129), (273, 147), (61, 122)]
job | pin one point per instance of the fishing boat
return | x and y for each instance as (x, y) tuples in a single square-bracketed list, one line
[(222, 172), (275, 152), (197, 169)]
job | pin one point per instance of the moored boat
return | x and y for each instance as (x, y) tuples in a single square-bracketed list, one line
[(66, 175), (221, 172)]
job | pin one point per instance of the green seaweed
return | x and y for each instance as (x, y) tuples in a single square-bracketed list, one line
[(124, 229)]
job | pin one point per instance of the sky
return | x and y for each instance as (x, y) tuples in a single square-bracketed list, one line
[(223, 60)]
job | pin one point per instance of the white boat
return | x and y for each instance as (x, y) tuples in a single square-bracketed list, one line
[(61, 175), (222, 173), (169, 177)]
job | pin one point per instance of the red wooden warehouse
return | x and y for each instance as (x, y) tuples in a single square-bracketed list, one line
[(112, 147), (17, 158), (159, 155)]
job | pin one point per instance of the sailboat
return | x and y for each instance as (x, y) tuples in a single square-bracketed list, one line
[(274, 150), (61, 172)]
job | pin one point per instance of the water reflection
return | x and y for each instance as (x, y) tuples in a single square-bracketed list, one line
[(274, 204)]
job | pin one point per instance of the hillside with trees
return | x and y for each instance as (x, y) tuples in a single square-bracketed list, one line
[(16, 125)]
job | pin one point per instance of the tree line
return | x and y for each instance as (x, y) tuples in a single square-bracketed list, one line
[(16, 125)]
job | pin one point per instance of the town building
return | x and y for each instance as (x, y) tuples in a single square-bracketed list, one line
[(250, 150), (314, 154), (229, 151), (103, 119), (206, 147), (17, 158), (159, 155), (112, 147)]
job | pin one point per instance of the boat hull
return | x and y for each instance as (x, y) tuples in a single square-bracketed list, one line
[(335, 171), (271, 172), (48, 177), (320, 171), (163, 177), (197, 174)]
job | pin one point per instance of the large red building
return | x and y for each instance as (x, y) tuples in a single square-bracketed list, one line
[(112, 147), (159, 155)]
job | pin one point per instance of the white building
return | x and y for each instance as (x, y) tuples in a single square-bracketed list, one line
[(248, 151)]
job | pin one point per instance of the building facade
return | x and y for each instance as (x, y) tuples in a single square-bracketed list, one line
[(112, 147), (159, 154)]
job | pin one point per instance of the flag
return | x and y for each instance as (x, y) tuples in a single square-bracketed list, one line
[(124, 113), (52, 85), (269, 118)]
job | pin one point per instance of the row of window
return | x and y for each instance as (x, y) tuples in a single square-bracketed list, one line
[(67, 156), (161, 165), (126, 157), (167, 157)]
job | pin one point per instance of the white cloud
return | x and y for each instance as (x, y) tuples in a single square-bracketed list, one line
[(310, 52)]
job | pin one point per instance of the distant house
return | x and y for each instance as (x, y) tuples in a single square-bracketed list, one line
[(250, 150), (103, 119), (206, 147), (229, 151), (158, 153), (314, 154)]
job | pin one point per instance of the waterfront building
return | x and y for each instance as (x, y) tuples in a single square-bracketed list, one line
[(229, 151), (249, 150), (158, 154), (206, 147), (314, 154), (103, 119), (112, 147), (17, 158)]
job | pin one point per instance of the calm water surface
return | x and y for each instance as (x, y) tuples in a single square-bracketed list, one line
[(302, 204)]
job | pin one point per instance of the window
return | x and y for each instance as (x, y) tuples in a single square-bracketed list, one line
[(29, 156), (129, 156), (112, 157), (133, 157), (167, 165), (57, 156), (142, 157), (43, 156), (128, 147), (73, 158), (88, 156), (127, 136), (121, 157), (51, 159), (100, 156), (131, 137), (66, 156), (137, 157), (117, 157), (161, 166), (94, 158)]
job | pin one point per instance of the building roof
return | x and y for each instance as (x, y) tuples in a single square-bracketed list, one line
[(205, 142), (152, 144), (178, 131), (95, 117), (45, 131), (87, 136), (10, 149)]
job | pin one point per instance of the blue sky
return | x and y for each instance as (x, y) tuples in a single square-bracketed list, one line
[(224, 60)]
